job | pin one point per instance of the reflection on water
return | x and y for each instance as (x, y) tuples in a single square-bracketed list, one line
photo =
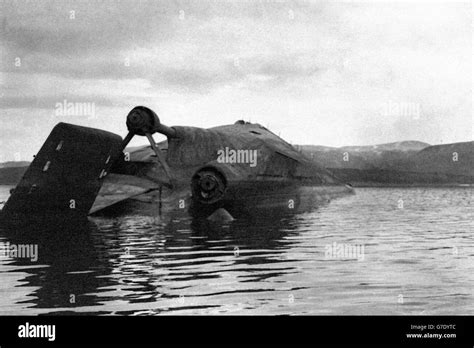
[(418, 252)]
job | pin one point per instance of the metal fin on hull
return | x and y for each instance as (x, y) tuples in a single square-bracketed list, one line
[(67, 173)]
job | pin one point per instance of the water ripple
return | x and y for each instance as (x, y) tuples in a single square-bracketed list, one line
[(361, 254)]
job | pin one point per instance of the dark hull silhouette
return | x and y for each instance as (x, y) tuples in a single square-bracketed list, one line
[(236, 168)]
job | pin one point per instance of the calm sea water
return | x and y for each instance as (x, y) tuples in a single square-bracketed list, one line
[(381, 251)]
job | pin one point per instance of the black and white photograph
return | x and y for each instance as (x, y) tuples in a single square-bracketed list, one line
[(237, 158)]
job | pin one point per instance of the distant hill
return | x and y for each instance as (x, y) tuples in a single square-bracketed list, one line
[(403, 146), (409, 145), (386, 156), (402, 162), (457, 158), (12, 164), (11, 175), (385, 177)]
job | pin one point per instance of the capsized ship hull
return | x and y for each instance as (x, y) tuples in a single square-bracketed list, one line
[(238, 167)]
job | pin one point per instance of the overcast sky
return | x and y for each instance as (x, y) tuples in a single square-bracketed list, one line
[(326, 73)]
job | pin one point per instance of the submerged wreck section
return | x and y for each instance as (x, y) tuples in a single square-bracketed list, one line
[(236, 167), (67, 173)]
